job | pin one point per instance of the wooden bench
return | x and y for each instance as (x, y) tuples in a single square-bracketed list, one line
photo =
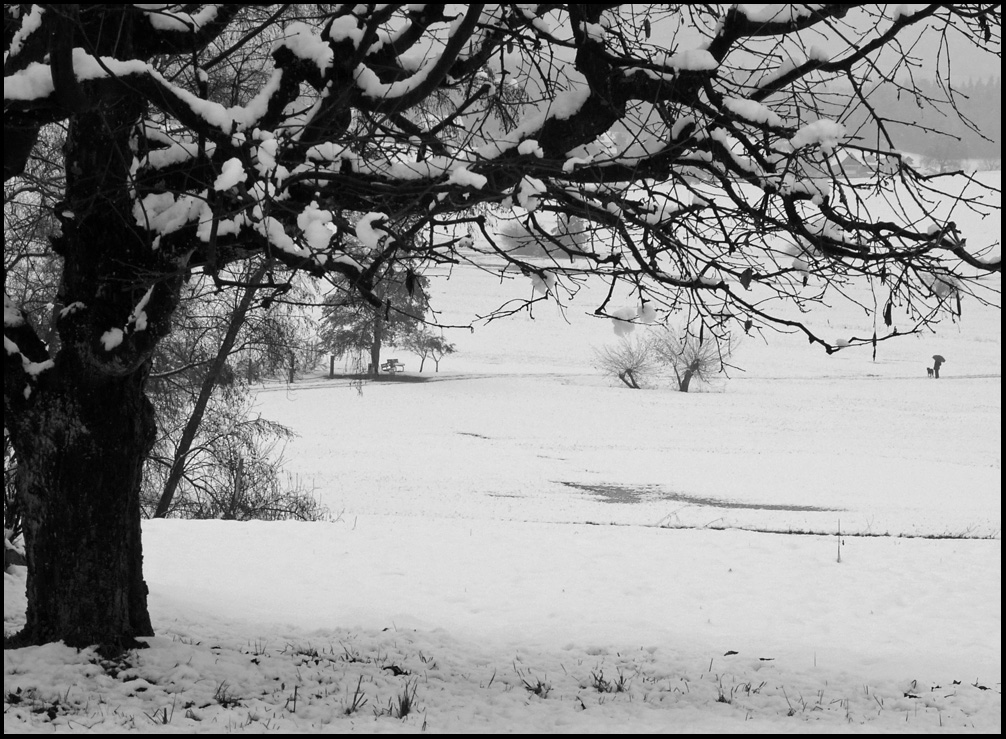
[(392, 366)]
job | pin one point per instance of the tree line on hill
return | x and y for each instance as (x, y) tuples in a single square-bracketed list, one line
[(942, 139)]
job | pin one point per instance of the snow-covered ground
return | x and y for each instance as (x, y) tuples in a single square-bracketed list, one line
[(519, 544)]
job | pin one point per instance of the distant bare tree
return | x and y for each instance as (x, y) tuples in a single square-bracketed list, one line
[(692, 355), (632, 360), (428, 345)]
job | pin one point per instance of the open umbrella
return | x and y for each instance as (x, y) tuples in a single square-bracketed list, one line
[(937, 361)]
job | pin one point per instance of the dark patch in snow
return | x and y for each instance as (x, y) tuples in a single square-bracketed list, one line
[(623, 494), (382, 377)]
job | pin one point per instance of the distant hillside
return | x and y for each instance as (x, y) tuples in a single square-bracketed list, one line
[(935, 132)]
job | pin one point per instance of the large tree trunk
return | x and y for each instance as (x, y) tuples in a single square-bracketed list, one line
[(80, 467), (83, 427)]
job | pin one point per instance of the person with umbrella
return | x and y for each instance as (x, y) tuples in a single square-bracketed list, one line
[(937, 361)]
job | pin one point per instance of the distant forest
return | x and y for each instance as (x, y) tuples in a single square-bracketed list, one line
[(938, 135)]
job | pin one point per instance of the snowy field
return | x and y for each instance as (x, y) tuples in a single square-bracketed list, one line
[(518, 544)]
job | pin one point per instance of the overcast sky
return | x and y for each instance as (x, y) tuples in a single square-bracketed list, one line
[(966, 60)]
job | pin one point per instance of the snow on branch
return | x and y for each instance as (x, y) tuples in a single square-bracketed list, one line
[(358, 138), (32, 88), (306, 44), (26, 357), (164, 17), (404, 94), (30, 23), (175, 30)]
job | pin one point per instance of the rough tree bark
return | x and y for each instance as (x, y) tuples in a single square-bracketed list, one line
[(81, 466), (83, 430)]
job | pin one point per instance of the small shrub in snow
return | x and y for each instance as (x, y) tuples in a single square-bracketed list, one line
[(603, 685), (532, 684), (405, 703), (225, 696), (162, 716), (356, 701), (537, 686)]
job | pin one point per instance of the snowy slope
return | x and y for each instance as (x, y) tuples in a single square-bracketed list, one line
[(518, 544)]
